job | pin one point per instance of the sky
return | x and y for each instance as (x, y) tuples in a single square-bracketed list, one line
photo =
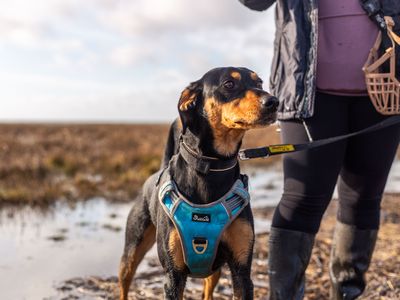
[(120, 60)]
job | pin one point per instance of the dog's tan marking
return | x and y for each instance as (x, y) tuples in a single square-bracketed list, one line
[(175, 249), (242, 113), (239, 237), (226, 140), (131, 260), (209, 285), (254, 76), (236, 75), (187, 98), (229, 121), (179, 123)]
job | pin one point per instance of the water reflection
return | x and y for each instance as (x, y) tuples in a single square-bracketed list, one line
[(39, 248)]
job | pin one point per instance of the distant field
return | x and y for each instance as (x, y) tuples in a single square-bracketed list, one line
[(42, 163)]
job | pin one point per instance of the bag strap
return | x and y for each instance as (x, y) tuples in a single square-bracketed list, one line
[(373, 9), (390, 24)]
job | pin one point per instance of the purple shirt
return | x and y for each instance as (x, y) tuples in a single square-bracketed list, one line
[(345, 37)]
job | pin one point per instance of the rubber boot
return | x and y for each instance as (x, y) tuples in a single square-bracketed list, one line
[(351, 255), (289, 255)]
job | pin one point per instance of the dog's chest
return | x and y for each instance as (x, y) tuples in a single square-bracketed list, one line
[(200, 227)]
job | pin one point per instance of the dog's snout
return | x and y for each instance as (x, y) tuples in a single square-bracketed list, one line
[(269, 102)]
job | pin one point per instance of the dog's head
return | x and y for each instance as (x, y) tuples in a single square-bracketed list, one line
[(223, 104)]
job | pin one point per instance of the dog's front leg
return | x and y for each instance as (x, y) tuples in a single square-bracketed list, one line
[(171, 257), (239, 237), (241, 281), (174, 285)]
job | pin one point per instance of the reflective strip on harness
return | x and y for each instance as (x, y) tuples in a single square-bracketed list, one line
[(200, 226)]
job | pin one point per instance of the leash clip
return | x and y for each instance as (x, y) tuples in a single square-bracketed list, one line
[(242, 155), (246, 154)]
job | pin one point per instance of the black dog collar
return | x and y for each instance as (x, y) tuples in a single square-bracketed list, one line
[(205, 164)]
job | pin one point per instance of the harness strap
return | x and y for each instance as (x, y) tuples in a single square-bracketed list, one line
[(390, 23), (267, 151), (200, 227)]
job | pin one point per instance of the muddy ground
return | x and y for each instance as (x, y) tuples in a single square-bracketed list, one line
[(383, 277)]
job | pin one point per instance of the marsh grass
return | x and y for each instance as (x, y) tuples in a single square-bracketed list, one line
[(43, 163)]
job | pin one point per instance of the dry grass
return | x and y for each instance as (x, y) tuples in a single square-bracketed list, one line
[(42, 163)]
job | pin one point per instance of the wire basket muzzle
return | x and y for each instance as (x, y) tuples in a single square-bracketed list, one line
[(382, 85)]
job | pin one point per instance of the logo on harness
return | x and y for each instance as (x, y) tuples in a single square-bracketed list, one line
[(196, 217)]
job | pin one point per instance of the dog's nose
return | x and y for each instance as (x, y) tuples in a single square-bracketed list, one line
[(269, 102)]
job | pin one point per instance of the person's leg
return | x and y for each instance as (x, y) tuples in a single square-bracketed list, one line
[(309, 180), (362, 180), (366, 167), (310, 176)]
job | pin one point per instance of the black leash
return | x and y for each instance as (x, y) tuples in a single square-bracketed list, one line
[(267, 151)]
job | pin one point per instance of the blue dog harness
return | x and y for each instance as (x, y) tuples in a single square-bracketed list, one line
[(200, 226)]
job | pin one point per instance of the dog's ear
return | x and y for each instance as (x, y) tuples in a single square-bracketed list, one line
[(190, 97)]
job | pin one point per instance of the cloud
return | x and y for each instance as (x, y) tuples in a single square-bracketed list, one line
[(162, 17), (121, 58), (36, 18), (130, 55)]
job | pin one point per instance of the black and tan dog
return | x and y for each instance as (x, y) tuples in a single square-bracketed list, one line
[(201, 159)]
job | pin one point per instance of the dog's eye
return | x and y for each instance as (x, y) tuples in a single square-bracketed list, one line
[(229, 84)]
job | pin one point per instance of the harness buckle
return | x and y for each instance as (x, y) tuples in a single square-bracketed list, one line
[(200, 245)]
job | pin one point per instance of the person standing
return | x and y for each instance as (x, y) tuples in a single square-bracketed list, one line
[(319, 50)]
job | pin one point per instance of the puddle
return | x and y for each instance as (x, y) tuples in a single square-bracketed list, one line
[(40, 249), (393, 184), (265, 186)]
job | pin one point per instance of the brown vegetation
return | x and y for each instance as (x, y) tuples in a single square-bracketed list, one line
[(42, 163)]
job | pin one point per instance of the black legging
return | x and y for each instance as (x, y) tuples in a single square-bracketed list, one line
[(363, 163)]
